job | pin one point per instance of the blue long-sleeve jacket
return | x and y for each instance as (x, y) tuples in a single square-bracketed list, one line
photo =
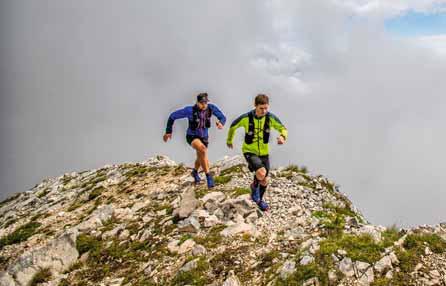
[(187, 112)]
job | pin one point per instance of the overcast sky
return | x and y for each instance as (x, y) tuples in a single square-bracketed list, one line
[(358, 83)]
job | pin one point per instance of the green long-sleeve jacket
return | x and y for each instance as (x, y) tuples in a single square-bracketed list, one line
[(257, 146)]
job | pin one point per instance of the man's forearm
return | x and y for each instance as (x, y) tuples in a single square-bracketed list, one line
[(169, 125)]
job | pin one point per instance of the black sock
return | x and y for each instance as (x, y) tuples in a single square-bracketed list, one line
[(262, 191), (256, 182)]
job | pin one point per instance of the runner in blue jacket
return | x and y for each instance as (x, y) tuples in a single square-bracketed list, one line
[(199, 116)]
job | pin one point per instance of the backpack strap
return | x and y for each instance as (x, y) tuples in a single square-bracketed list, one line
[(195, 118), (249, 136), (266, 129), (208, 117)]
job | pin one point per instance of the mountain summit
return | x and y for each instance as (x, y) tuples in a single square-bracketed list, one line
[(146, 223)]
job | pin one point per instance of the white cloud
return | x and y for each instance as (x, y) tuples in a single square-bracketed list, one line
[(435, 43), (348, 92), (284, 65), (386, 8)]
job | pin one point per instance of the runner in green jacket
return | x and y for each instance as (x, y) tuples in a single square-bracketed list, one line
[(258, 124)]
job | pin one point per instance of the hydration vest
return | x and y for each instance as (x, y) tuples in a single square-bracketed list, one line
[(249, 136), (196, 117)]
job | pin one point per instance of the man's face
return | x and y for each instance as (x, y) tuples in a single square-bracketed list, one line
[(202, 105), (262, 109)]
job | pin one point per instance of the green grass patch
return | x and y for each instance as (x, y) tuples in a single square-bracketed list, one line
[(359, 247), (43, 193), (303, 273), (42, 276), (117, 258), (267, 259), (179, 170), (201, 192), (390, 235), (408, 259), (332, 223), (73, 267), (296, 168), (92, 182), (75, 205), (143, 281), (109, 224), (160, 207), (234, 169), (163, 171), (223, 262), (7, 200), (9, 222), (96, 192), (419, 241), (66, 179), (240, 191), (196, 276), (410, 255), (290, 170), (212, 238), (138, 171), (20, 234), (184, 237), (328, 186), (221, 180), (98, 179), (407, 262), (346, 211), (96, 204), (40, 215), (85, 243), (333, 218)]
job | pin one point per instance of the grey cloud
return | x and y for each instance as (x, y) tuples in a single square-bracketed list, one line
[(91, 83)]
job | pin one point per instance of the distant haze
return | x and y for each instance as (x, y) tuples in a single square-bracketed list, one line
[(89, 83)]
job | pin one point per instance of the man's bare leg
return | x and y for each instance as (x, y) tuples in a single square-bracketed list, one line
[(261, 175), (202, 155), (197, 163)]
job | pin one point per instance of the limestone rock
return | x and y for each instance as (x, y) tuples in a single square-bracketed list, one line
[(287, 269), (189, 225), (187, 205), (346, 267), (307, 259), (232, 280), (239, 228), (384, 264), (58, 255), (186, 246)]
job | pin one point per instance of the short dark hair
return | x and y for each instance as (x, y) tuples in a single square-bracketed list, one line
[(203, 96), (261, 99)]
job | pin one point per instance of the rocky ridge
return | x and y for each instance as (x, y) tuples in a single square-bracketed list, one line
[(146, 224)]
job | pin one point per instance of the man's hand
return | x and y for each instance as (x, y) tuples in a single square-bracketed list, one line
[(230, 146), (219, 125), (167, 136), (280, 140)]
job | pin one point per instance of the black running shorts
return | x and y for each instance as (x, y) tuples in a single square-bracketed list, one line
[(190, 138), (256, 162)]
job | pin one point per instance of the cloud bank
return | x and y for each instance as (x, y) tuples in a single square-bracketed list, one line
[(86, 84)]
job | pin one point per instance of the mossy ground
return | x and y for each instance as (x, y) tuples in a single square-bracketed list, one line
[(42, 276), (21, 234), (112, 257)]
